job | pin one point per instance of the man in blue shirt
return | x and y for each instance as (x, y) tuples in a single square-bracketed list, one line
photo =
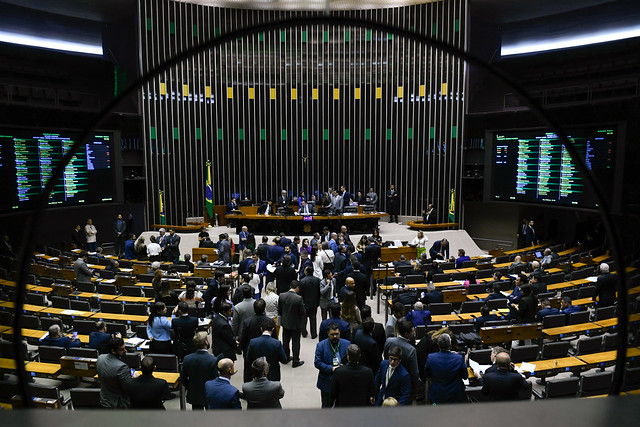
[(567, 308), (461, 258), (219, 391), (129, 247)]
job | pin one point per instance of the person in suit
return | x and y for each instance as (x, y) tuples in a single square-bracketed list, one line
[(197, 369), (56, 339), (224, 249), (393, 379), (522, 233), (546, 310), (283, 200), (370, 353), (292, 313), (82, 271), (119, 229), (268, 346), (219, 391), (337, 202), (527, 306), (306, 209), (285, 274), (99, 339), (397, 312), (504, 383), (330, 354), (114, 376), (392, 203), (223, 341), (372, 197), (495, 294), (462, 258), (335, 310), (485, 316), (446, 370), (262, 393), (231, 206), (404, 340), (184, 329), (147, 391), (252, 326), (266, 208), (78, 239), (352, 384), (429, 215), (310, 292), (517, 262), (371, 256), (605, 287), (440, 249), (530, 235), (244, 264), (130, 247), (361, 284), (566, 307), (327, 290), (243, 310)]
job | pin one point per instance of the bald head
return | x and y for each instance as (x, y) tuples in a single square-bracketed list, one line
[(226, 368), (503, 360)]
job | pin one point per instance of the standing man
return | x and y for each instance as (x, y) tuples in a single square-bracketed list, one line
[(605, 287), (173, 246), (446, 370), (372, 197), (337, 202), (197, 369), (130, 247), (440, 249), (119, 228), (91, 232), (530, 235), (242, 241), (392, 203), (330, 353), (220, 393), (147, 391), (184, 329), (404, 340), (163, 240), (266, 345), (352, 384), (429, 215), (361, 284), (114, 375), (285, 275), (291, 311), (243, 310), (393, 380), (223, 341), (310, 292), (224, 249), (522, 233), (252, 327), (261, 392), (83, 272)]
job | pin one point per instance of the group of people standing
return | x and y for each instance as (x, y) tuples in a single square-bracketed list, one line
[(87, 237)]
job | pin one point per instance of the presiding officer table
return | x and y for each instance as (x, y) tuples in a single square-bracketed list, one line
[(296, 224)]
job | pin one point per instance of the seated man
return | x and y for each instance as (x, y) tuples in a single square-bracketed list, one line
[(433, 295), (547, 258), (495, 294), (306, 209), (517, 262), (408, 297), (146, 391), (537, 285), (461, 258), (546, 310), (403, 261), (567, 308), (485, 316), (55, 338), (504, 383), (419, 316), (100, 338)]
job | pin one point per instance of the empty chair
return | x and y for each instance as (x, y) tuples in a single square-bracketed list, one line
[(85, 287), (393, 280), (441, 277), (477, 288), (504, 285), (410, 279), (51, 354), (545, 295), (593, 384), (7, 351), (84, 327), (469, 264), (48, 392), (125, 263), (604, 313), (571, 293), (447, 266), (113, 328), (440, 308), (563, 387), (497, 303), (524, 353), (59, 302), (91, 259), (459, 275), (182, 268), (106, 288), (403, 269), (141, 332), (150, 293), (420, 330), (554, 350), (471, 306), (483, 274), (586, 291), (610, 341), (111, 307), (579, 317), (631, 379), (6, 318), (106, 274), (461, 328), (91, 353), (132, 360), (553, 321), (556, 278), (136, 309), (30, 322), (502, 259), (588, 345), (146, 278), (482, 356), (165, 362), (132, 291), (80, 305), (35, 299), (85, 398)]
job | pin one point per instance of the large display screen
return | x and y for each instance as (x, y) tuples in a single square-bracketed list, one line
[(533, 165), (29, 157)]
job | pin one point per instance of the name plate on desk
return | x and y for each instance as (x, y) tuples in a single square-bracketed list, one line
[(307, 218)]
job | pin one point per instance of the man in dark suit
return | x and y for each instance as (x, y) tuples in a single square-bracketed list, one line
[(339, 265), (371, 256), (392, 203), (114, 376), (283, 200), (223, 341), (172, 250), (100, 338), (503, 384), (184, 329), (605, 287), (266, 208), (361, 284), (378, 333), (306, 209), (292, 313), (352, 384), (330, 354), (546, 310), (404, 340), (304, 263), (485, 316), (537, 285), (393, 380), (197, 369), (310, 293), (440, 249), (266, 345), (432, 295), (371, 355), (530, 235), (220, 393), (335, 310), (244, 264), (252, 327), (429, 215), (261, 392), (446, 370), (567, 308), (285, 274), (263, 249), (146, 391)]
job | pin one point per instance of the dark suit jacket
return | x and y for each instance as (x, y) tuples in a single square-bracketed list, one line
[(398, 387), (546, 312), (262, 250), (223, 341), (502, 385), (446, 370), (222, 395), (270, 348), (197, 369), (251, 328), (606, 290), (284, 277), (244, 264), (345, 331), (480, 321), (184, 328), (262, 393), (274, 252), (409, 356), (527, 308), (371, 255), (352, 385), (100, 341), (291, 310), (370, 353), (147, 392), (361, 288), (310, 292), (434, 296), (324, 362), (437, 247)]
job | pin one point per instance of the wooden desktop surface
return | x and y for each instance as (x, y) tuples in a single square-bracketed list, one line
[(554, 365), (570, 329)]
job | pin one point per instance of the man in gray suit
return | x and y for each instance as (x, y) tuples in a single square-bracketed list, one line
[(224, 249), (243, 310), (262, 393), (83, 272), (114, 376), (292, 314), (404, 340)]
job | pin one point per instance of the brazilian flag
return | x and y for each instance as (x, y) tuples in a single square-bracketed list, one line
[(452, 205), (163, 218), (208, 193)]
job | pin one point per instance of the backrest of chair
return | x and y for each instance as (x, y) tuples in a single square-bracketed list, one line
[(554, 321), (111, 307), (91, 353), (477, 288), (496, 323), (441, 277), (440, 308), (555, 350), (45, 391), (469, 264), (502, 258), (106, 288), (524, 353), (578, 317), (471, 306), (80, 305), (113, 328), (165, 362), (461, 328), (85, 287), (46, 322), (59, 302), (30, 322), (51, 354), (106, 274), (564, 387), (595, 383), (420, 331), (403, 269), (6, 318), (588, 345), (136, 309), (497, 303), (605, 312), (556, 277), (586, 291), (482, 356), (631, 379), (181, 268), (84, 327), (6, 349), (483, 274), (35, 299), (392, 280), (131, 291), (141, 332), (571, 293), (411, 279), (85, 398), (132, 360), (610, 341)]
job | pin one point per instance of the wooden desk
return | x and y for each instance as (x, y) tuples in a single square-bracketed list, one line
[(496, 334), (444, 318), (66, 312), (583, 301), (450, 284), (577, 329), (293, 224), (461, 270), (522, 250), (27, 308), (27, 333), (381, 273), (567, 285), (569, 251), (40, 368), (553, 366), (601, 258), (634, 290), (393, 254), (419, 225), (127, 318), (606, 358), (454, 295), (91, 295), (196, 254), (145, 300), (471, 316)]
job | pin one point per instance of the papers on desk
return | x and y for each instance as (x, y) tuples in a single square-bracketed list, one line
[(592, 279), (108, 281), (478, 368), (46, 334), (484, 256), (40, 255), (68, 312), (505, 293), (126, 270), (134, 342), (396, 286), (529, 367), (460, 282)]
